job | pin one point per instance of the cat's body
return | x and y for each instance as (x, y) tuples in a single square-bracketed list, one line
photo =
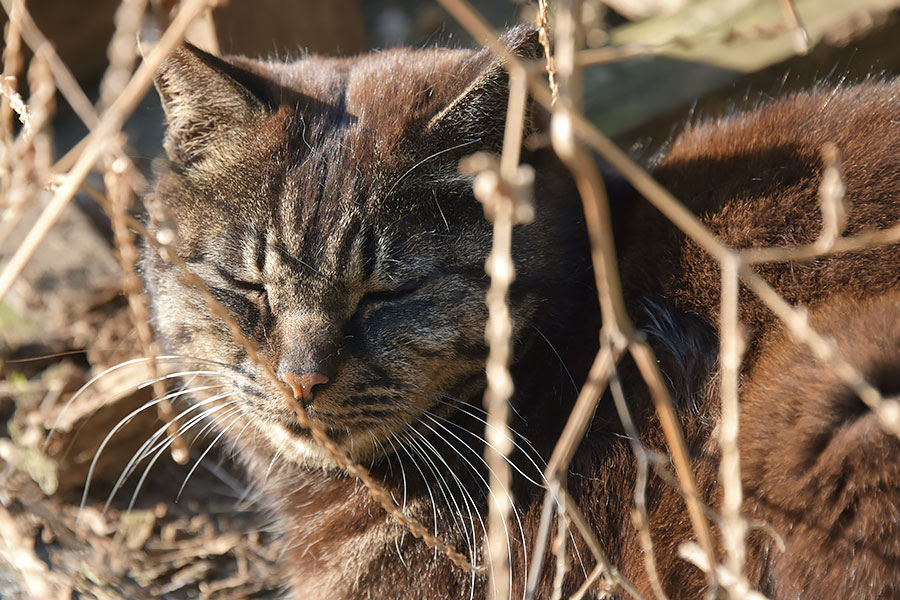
[(321, 203)]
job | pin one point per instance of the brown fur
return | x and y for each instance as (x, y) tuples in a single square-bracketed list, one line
[(816, 465), (321, 202)]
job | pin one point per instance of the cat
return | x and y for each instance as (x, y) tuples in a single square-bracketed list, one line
[(321, 202)]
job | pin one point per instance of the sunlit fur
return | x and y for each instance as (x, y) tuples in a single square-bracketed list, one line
[(321, 203)]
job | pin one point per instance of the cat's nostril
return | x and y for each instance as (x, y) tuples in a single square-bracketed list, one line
[(303, 383)]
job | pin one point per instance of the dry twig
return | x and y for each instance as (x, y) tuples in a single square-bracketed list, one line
[(122, 50), (801, 36), (543, 26), (640, 517), (109, 125), (12, 65), (734, 527), (120, 202), (15, 102), (68, 87), (505, 190)]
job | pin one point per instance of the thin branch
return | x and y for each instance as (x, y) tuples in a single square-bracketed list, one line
[(662, 402), (121, 198), (797, 321), (505, 190), (801, 35), (583, 412), (734, 526), (12, 66), (32, 151), (13, 100), (543, 25), (861, 241), (65, 81), (694, 554), (612, 304), (603, 563), (122, 50), (640, 517), (559, 548), (109, 125)]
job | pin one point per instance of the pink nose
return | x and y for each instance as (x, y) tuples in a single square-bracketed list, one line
[(303, 384)]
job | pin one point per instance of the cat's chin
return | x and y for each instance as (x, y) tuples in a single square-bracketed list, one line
[(295, 445)]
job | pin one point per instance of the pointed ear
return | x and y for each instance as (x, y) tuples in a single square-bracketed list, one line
[(207, 102), (479, 110)]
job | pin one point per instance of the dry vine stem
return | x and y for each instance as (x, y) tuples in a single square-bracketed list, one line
[(639, 516), (604, 566), (615, 319), (13, 100), (122, 50), (506, 202), (681, 217), (543, 25), (692, 553), (31, 155), (120, 200), (505, 190), (111, 123), (12, 64), (68, 88), (734, 527)]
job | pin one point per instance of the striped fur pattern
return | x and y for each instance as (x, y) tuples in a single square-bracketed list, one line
[(320, 201)]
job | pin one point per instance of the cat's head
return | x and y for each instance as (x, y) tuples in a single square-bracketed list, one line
[(321, 202)]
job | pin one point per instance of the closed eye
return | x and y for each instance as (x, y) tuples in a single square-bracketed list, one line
[(376, 297), (241, 284)]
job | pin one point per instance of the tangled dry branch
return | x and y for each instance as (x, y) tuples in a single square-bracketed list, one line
[(504, 188)]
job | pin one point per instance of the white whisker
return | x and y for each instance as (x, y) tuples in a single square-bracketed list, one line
[(437, 421), (124, 421), (92, 381), (239, 410), (146, 450), (142, 452), (442, 485), (274, 460), (402, 470), (406, 449), (149, 466)]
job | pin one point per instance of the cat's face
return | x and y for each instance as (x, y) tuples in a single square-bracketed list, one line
[(321, 204)]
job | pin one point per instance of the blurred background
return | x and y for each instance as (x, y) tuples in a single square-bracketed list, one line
[(652, 67)]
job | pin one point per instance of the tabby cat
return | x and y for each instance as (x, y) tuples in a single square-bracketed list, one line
[(321, 202)]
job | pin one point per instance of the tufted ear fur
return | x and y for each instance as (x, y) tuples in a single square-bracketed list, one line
[(479, 110), (206, 101)]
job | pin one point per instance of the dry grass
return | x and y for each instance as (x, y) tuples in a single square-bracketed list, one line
[(504, 188)]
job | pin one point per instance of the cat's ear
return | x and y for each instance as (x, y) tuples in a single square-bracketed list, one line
[(207, 102), (479, 110)]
